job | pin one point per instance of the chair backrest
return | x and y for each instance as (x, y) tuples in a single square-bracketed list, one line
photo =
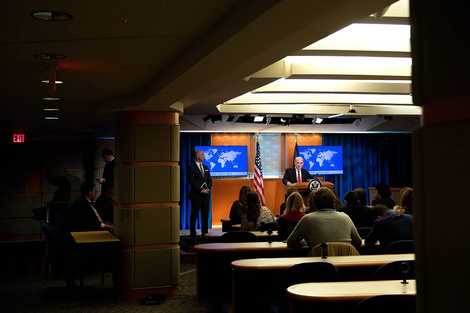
[(387, 304), (311, 272), (364, 231), (334, 249), (238, 236), (53, 235), (399, 247), (394, 270)]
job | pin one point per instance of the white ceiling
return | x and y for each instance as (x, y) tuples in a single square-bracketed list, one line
[(191, 56)]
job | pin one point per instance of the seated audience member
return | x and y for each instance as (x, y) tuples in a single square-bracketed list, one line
[(295, 208), (338, 203), (238, 205), (383, 196), (254, 214), (289, 190), (406, 201), (105, 203), (360, 214), (324, 225), (361, 196), (83, 211), (311, 203), (389, 227)]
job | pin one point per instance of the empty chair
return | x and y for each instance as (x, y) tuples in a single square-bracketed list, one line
[(402, 303), (364, 231), (399, 247), (334, 249), (238, 236), (311, 272), (394, 270)]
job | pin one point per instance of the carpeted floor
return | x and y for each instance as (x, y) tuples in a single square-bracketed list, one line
[(24, 289)]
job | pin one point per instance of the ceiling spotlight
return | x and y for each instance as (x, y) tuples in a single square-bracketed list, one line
[(351, 109), (268, 120), (51, 98), (284, 121), (58, 82), (259, 118), (51, 118), (51, 16), (50, 110), (50, 56), (318, 120)]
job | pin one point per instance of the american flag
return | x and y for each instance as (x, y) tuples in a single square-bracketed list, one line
[(259, 185), (296, 151)]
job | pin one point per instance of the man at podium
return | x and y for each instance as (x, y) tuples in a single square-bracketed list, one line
[(296, 174)]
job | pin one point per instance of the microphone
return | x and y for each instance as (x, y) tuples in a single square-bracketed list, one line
[(324, 248), (405, 267)]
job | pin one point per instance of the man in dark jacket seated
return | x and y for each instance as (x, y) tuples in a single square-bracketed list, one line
[(389, 227), (83, 211), (361, 215)]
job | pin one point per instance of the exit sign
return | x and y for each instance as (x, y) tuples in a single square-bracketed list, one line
[(18, 138)]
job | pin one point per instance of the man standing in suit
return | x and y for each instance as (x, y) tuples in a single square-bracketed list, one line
[(296, 174), (200, 180), (83, 211), (108, 172)]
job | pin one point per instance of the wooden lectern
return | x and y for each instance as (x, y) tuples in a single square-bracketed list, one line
[(304, 191)]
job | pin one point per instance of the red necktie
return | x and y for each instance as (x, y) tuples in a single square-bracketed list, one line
[(298, 176)]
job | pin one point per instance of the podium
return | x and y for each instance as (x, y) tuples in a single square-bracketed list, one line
[(304, 191)]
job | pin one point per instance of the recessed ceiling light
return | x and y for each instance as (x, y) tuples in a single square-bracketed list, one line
[(51, 98), (51, 118), (50, 56), (50, 110), (51, 16), (58, 82)]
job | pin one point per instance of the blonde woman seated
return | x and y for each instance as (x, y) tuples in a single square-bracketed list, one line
[(295, 209), (406, 202), (254, 214)]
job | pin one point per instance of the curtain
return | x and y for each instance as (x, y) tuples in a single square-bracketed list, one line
[(369, 159), (187, 143)]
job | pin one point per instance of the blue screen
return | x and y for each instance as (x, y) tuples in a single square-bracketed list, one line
[(322, 160), (225, 161)]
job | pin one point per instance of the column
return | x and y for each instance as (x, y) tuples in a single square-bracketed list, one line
[(441, 150), (147, 188)]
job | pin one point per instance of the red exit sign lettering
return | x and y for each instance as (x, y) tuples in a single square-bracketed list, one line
[(18, 138)]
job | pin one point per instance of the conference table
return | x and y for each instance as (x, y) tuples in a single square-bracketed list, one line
[(258, 279), (342, 295), (261, 235), (97, 250), (213, 271)]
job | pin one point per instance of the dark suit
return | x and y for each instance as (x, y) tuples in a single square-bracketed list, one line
[(361, 215), (291, 175), (105, 208), (82, 211), (199, 201), (108, 175), (391, 228)]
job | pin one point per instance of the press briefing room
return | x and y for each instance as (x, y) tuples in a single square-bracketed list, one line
[(234, 156)]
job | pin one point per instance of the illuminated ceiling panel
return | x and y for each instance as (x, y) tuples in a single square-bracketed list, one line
[(364, 64)]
